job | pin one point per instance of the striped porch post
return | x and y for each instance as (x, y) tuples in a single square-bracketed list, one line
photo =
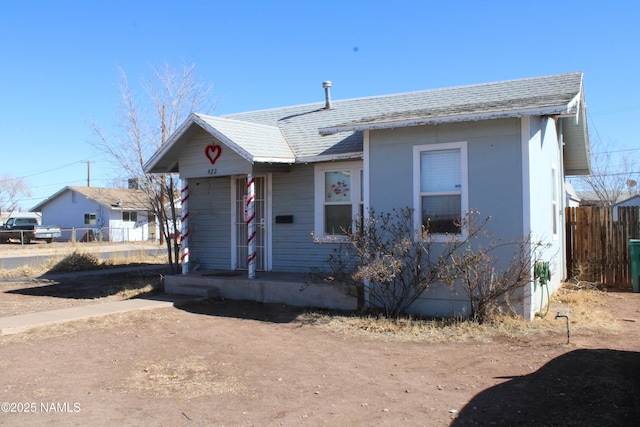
[(251, 226), (184, 232)]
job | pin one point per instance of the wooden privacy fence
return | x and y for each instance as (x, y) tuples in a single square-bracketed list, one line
[(598, 245)]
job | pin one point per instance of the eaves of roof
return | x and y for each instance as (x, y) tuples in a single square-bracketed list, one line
[(255, 142)]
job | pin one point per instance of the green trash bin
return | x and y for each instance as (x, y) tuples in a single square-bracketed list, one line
[(634, 258)]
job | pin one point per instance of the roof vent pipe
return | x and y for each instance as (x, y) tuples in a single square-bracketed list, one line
[(327, 95)]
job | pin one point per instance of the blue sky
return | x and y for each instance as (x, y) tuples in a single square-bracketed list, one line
[(59, 62)]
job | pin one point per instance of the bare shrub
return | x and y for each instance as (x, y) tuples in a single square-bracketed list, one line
[(491, 285), (397, 262), (76, 262)]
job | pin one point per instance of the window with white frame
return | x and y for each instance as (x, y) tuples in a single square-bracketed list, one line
[(129, 216), (440, 180), (90, 218), (338, 198), (554, 201)]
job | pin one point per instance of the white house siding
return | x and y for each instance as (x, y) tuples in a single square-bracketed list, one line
[(543, 155), (195, 163), (293, 247), (68, 209), (494, 177), (209, 223), (129, 231)]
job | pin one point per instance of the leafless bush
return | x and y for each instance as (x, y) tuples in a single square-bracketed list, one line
[(397, 262), (490, 285)]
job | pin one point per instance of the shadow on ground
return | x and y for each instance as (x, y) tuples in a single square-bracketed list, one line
[(89, 285), (264, 312), (580, 388)]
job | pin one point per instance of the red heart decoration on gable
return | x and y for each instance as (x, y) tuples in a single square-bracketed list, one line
[(213, 152)]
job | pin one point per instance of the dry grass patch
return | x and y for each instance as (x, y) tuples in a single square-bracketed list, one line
[(186, 378), (137, 287), (22, 271), (80, 259), (584, 307)]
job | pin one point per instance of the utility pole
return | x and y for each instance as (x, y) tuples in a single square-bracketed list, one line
[(88, 162)]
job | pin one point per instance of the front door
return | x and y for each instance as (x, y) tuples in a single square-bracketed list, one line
[(241, 232)]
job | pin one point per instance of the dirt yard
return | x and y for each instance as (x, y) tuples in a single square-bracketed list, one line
[(226, 363)]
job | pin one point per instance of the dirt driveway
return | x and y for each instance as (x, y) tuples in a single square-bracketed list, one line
[(226, 363)]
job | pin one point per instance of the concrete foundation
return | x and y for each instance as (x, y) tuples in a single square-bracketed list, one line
[(267, 287)]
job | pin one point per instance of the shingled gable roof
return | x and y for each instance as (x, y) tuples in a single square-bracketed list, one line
[(314, 133), (115, 198)]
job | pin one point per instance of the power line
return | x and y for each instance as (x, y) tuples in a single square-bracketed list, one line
[(47, 171), (618, 151)]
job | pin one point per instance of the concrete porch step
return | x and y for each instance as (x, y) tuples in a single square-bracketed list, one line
[(205, 291)]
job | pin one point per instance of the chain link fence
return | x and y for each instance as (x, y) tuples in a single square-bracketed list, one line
[(91, 234)]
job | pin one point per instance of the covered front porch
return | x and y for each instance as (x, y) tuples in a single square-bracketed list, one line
[(267, 287)]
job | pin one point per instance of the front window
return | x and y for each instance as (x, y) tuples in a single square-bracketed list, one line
[(338, 198), (441, 187), (337, 202), (90, 218)]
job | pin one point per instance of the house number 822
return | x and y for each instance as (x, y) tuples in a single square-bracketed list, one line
[(212, 171)]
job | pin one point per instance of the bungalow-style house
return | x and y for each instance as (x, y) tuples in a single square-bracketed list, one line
[(271, 190), (92, 213)]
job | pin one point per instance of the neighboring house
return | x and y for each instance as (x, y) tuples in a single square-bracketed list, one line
[(501, 148), (572, 200), (593, 198), (90, 213), (631, 201)]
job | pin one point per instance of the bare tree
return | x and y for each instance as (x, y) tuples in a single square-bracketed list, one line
[(143, 126), (11, 190), (614, 174)]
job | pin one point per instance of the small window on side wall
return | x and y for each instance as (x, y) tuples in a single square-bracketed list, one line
[(129, 216), (90, 218)]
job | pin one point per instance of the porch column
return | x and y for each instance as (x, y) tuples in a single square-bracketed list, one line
[(251, 226), (184, 231)]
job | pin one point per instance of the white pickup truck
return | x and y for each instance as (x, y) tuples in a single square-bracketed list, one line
[(26, 229)]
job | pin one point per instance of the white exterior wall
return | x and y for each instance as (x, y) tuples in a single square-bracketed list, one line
[(541, 146), (128, 231)]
